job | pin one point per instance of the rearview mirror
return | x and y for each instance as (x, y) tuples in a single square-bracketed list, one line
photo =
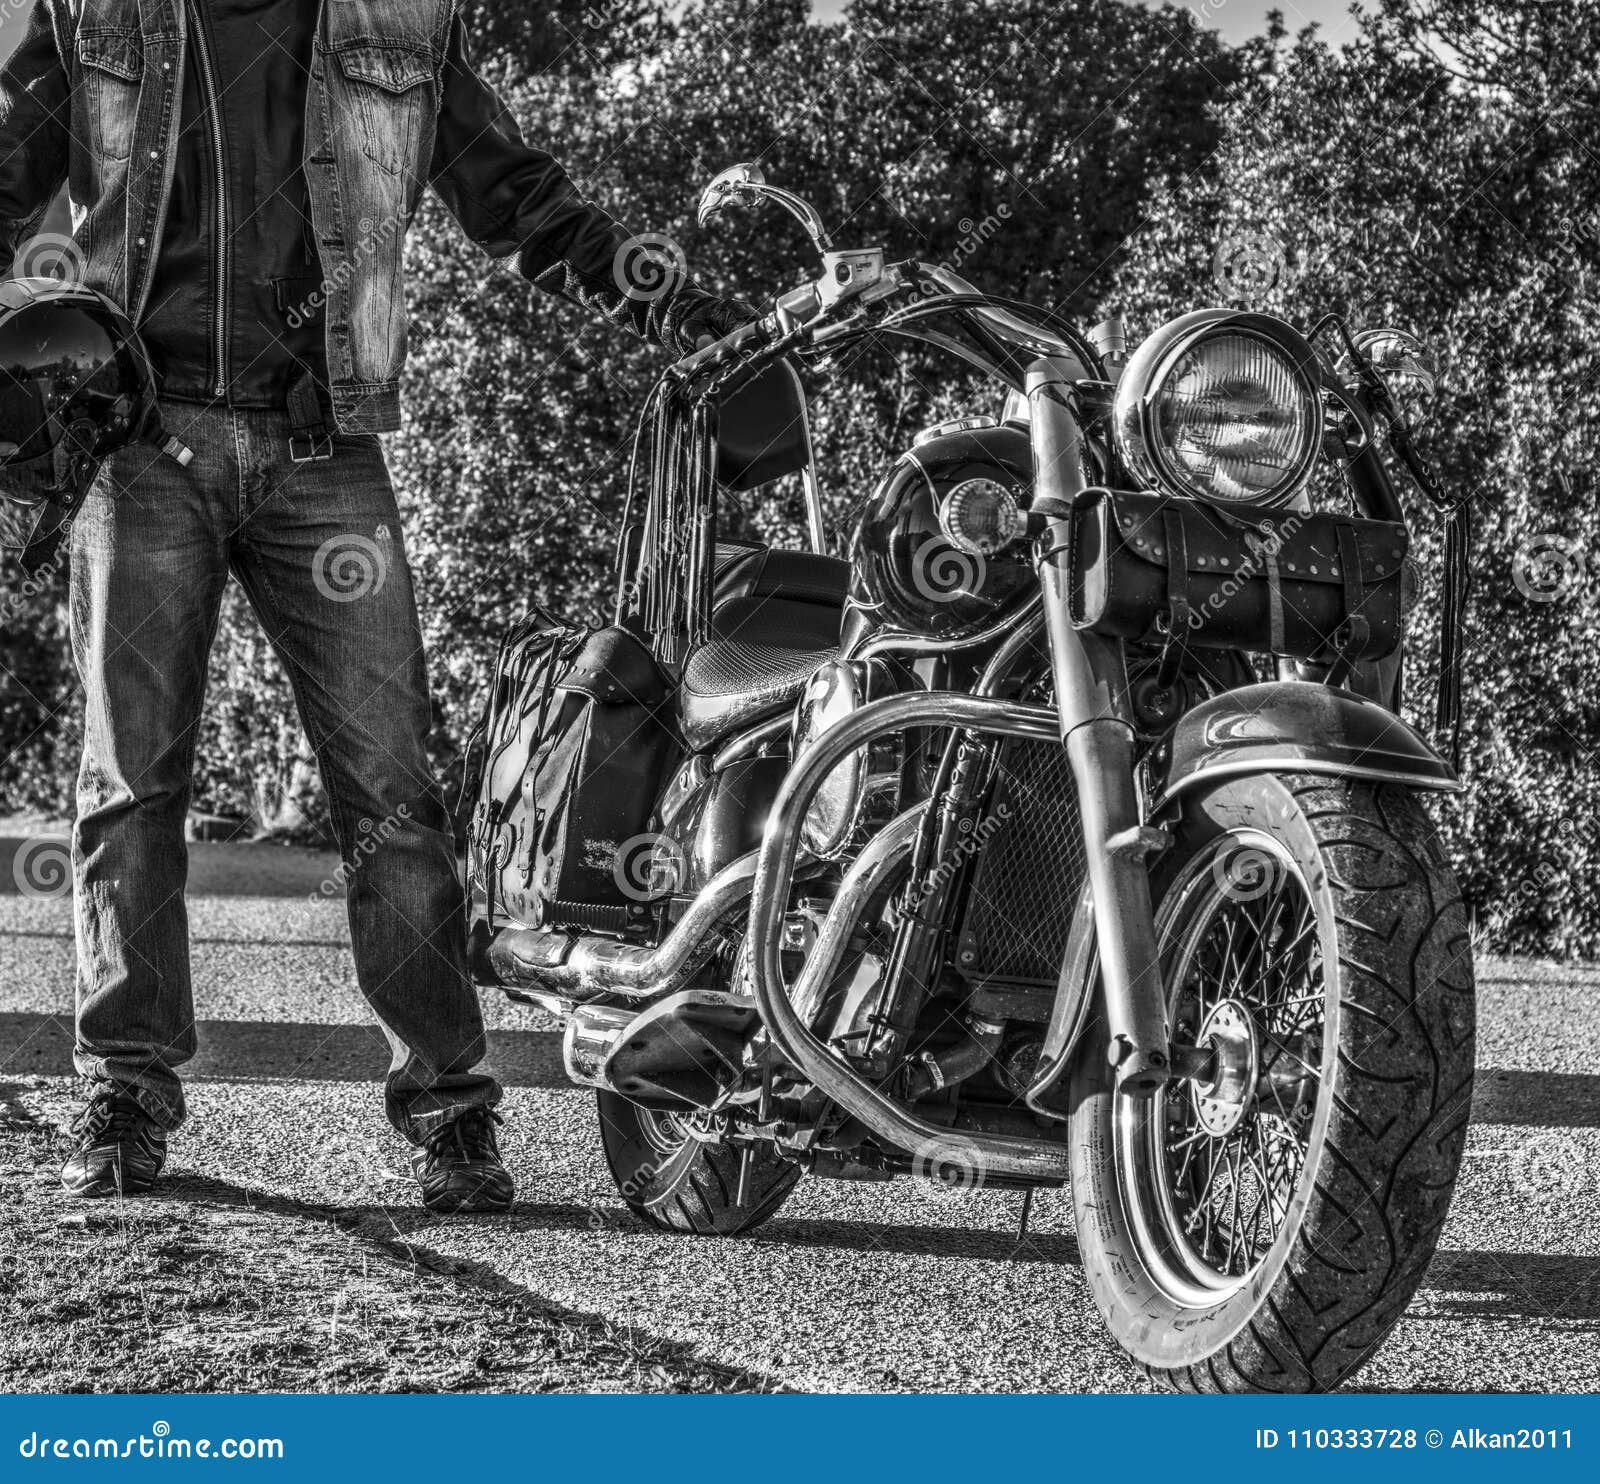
[(745, 184), (730, 187)]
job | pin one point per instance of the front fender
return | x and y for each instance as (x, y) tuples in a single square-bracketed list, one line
[(1287, 726), (1278, 727)]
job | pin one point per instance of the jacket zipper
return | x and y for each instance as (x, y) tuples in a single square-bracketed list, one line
[(221, 261)]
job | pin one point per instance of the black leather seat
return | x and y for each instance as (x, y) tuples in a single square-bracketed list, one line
[(775, 617)]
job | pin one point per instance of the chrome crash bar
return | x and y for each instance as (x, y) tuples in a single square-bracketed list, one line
[(991, 1154)]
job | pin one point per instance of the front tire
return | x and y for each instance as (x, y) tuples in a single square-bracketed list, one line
[(1263, 1227), (679, 1183)]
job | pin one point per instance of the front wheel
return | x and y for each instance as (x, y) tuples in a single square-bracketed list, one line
[(1263, 1226)]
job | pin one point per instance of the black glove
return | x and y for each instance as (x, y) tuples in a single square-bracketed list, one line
[(705, 318)]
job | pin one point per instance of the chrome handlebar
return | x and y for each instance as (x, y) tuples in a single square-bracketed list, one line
[(855, 279), (1013, 329), (860, 277)]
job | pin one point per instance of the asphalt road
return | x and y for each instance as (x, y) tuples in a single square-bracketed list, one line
[(875, 1287)]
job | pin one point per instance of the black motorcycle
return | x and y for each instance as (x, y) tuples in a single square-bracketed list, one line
[(1065, 832)]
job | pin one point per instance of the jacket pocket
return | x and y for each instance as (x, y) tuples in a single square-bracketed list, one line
[(389, 87), (111, 64)]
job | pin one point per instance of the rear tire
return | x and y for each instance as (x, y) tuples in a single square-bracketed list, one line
[(1264, 1230), (678, 1183)]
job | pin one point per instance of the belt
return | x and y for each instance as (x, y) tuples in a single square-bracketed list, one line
[(310, 422)]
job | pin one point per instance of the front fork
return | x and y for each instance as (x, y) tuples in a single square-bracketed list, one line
[(1091, 698)]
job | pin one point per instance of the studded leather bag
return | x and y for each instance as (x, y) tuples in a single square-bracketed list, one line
[(1155, 569), (570, 755)]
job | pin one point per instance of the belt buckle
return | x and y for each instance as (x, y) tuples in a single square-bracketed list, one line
[(316, 446)]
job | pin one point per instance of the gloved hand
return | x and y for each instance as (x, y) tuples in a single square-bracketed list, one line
[(708, 318)]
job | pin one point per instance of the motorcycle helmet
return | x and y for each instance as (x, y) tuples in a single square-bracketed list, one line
[(75, 386)]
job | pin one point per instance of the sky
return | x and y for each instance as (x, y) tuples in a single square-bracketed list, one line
[(1238, 20)]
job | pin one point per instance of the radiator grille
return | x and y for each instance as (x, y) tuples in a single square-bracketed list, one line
[(1026, 884)]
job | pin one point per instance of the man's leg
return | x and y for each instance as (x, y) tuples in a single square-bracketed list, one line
[(321, 556), (149, 563)]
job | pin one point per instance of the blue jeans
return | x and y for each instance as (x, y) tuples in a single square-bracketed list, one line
[(317, 548)]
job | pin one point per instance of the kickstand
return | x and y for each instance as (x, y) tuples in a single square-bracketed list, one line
[(747, 1161), (1027, 1210)]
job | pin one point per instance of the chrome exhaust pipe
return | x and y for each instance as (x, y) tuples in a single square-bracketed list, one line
[(581, 967), (593, 1031)]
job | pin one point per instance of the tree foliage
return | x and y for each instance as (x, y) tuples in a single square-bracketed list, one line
[(1435, 175)]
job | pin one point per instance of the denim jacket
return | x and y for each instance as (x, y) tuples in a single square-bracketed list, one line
[(92, 98)]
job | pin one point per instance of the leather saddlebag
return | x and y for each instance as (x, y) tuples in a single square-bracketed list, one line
[(1152, 569), (571, 754)]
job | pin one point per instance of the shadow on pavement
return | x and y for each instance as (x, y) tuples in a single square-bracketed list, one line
[(244, 1050), (1553, 1099), (255, 1050), (40, 865), (1517, 1285), (1054, 1248), (398, 1232)]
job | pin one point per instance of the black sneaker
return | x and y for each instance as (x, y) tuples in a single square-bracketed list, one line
[(119, 1148), (459, 1168)]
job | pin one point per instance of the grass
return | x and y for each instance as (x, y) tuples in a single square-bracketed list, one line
[(208, 1287)]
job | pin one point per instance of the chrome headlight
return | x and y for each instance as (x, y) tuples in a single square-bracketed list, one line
[(1222, 406)]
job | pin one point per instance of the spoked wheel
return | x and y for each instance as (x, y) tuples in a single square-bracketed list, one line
[(1210, 1170), (1262, 1224), (676, 1178)]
